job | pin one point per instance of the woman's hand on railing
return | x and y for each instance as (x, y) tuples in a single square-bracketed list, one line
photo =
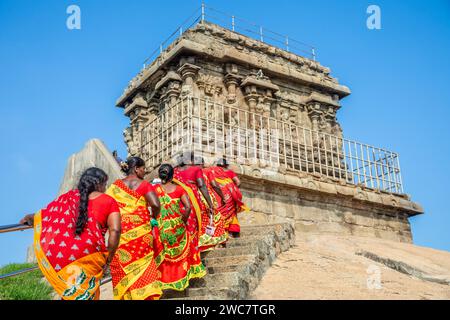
[(28, 220)]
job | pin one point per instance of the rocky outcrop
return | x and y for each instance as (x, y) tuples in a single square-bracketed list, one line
[(406, 268), (326, 266), (94, 154)]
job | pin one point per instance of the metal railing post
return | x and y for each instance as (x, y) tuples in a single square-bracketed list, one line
[(232, 23), (203, 12)]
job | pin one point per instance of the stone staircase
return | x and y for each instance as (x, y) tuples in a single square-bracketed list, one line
[(235, 271)]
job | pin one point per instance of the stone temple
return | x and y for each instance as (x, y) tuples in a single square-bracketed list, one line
[(273, 114)]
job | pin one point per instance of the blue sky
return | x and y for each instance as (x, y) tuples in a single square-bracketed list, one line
[(58, 87)]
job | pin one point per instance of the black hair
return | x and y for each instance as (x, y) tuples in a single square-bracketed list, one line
[(89, 182), (131, 164), (222, 162), (165, 173), (185, 158), (198, 160)]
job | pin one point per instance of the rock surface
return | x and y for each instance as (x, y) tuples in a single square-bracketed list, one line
[(324, 266), (94, 154)]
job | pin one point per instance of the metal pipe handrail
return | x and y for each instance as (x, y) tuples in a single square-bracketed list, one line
[(26, 270), (18, 272), (14, 227), (21, 227)]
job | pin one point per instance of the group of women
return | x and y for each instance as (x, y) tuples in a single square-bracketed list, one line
[(148, 235)]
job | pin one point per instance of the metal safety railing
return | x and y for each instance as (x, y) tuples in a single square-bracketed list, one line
[(235, 24), (13, 228), (256, 138), (22, 227)]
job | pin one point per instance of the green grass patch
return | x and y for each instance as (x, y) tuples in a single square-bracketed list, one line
[(26, 286)]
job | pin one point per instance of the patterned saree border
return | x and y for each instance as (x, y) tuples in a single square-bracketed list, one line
[(195, 272)]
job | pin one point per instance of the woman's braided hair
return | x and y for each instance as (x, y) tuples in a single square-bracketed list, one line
[(89, 182)]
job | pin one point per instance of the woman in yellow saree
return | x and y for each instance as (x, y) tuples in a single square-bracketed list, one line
[(134, 268), (69, 238)]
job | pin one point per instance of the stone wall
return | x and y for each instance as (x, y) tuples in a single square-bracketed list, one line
[(350, 212)]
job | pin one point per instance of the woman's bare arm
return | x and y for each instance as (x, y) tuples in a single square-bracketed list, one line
[(187, 207), (114, 230), (153, 202), (202, 186), (236, 181), (217, 189)]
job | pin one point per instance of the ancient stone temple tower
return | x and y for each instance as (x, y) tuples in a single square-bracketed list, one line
[(272, 114)]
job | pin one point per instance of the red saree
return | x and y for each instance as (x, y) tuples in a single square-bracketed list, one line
[(72, 264), (233, 198), (181, 260), (199, 219)]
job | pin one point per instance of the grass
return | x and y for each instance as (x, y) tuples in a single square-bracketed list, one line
[(27, 286)]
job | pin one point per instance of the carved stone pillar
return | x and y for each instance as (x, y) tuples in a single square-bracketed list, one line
[(258, 89), (252, 97), (138, 113), (170, 88), (322, 110), (232, 80), (188, 72)]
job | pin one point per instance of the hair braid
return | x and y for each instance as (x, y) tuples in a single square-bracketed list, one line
[(89, 182)]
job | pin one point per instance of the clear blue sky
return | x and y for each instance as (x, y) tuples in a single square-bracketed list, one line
[(58, 87)]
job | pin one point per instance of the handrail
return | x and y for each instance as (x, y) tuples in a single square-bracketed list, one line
[(18, 272), (21, 227), (105, 280), (14, 227), (26, 270)]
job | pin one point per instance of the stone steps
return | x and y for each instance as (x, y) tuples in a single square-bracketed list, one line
[(235, 271)]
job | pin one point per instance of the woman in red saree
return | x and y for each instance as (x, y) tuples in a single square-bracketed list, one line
[(181, 260), (232, 196), (134, 268), (69, 237), (205, 223)]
